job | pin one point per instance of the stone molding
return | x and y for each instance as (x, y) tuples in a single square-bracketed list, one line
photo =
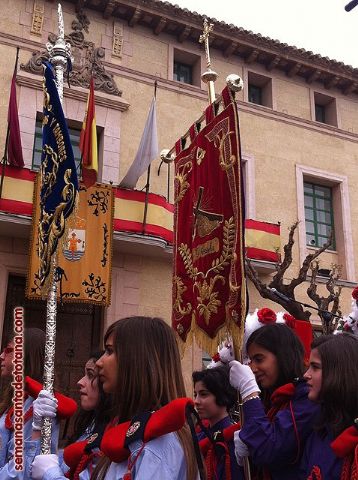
[(76, 93), (87, 59)]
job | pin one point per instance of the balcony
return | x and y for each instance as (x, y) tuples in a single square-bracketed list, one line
[(262, 238)]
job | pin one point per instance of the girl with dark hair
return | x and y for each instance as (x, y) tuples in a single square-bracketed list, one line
[(141, 369), (81, 453), (278, 415), (331, 452), (37, 404), (214, 398)]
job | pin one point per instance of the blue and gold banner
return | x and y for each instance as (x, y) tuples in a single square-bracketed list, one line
[(59, 183)]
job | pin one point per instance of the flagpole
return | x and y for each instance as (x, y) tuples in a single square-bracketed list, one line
[(208, 77), (148, 178), (146, 201), (234, 83), (59, 55), (4, 158)]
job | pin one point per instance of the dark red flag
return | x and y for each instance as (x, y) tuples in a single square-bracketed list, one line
[(88, 142), (14, 149)]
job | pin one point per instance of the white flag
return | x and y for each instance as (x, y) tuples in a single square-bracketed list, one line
[(148, 150)]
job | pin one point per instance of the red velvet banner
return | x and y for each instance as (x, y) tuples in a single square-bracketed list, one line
[(209, 290)]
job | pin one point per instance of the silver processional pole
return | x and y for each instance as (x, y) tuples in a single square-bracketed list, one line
[(59, 55)]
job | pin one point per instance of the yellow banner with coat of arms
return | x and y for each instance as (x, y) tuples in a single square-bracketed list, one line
[(84, 252)]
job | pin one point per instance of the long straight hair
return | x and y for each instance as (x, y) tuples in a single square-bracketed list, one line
[(339, 387), (282, 342), (34, 347), (149, 375), (100, 415)]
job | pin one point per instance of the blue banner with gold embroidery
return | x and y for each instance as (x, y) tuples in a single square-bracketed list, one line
[(59, 183)]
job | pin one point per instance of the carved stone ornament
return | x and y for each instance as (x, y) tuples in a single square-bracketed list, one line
[(87, 59)]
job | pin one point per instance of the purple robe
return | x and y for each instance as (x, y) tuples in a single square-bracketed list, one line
[(318, 453), (237, 472), (276, 445)]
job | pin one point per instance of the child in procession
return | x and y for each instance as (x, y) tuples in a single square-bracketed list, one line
[(331, 452), (149, 439), (81, 453), (278, 416), (214, 398)]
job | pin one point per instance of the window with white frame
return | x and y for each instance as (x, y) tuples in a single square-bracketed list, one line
[(323, 205), (319, 217)]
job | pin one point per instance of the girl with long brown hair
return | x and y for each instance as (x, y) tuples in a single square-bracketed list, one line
[(331, 452), (141, 369), (278, 414), (81, 453)]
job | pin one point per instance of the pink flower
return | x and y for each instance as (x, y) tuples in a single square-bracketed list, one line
[(266, 316)]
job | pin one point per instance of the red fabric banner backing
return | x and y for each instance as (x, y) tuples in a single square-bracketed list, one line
[(209, 290)]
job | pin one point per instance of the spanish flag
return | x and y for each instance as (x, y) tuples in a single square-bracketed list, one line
[(262, 240), (88, 142)]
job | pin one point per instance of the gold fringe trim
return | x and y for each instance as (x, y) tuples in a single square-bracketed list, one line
[(210, 345)]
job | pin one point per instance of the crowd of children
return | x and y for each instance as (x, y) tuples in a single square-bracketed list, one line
[(299, 419)]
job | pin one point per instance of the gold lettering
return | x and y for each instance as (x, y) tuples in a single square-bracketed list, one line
[(207, 248)]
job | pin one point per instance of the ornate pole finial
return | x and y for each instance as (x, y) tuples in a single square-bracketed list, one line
[(208, 77), (60, 53)]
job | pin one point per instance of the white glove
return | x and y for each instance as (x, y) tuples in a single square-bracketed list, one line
[(45, 405), (41, 464), (242, 378), (241, 450)]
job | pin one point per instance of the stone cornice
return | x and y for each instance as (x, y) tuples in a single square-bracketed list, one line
[(287, 119), (246, 107), (163, 17), (76, 93), (32, 81)]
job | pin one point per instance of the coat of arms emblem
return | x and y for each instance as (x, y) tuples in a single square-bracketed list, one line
[(75, 244)]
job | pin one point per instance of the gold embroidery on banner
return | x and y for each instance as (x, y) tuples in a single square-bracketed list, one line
[(57, 222), (208, 298), (200, 154), (207, 248), (205, 226), (180, 329), (182, 178), (227, 253), (208, 301), (205, 222), (179, 290), (188, 261), (220, 135), (47, 104)]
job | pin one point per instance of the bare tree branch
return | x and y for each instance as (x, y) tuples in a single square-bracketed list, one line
[(288, 290), (302, 274), (287, 259), (312, 289)]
